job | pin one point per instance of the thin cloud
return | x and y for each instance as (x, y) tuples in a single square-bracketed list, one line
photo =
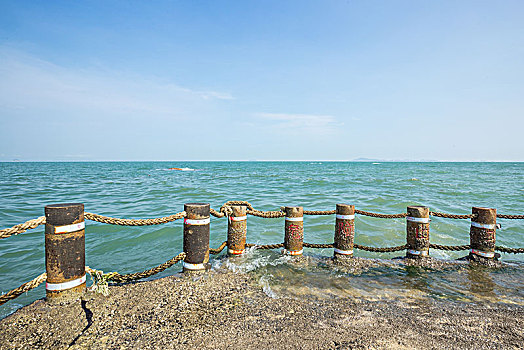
[(302, 122), (213, 94), (28, 82)]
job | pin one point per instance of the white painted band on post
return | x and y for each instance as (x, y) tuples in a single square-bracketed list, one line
[(238, 218), (483, 254), (418, 220), (194, 267), (346, 217), (65, 285), (301, 218), (293, 252), (197, 222), (418, 252), (344, 252), (70, 228), (488, 226)]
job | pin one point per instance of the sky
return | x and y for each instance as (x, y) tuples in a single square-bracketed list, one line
[(261, 80)]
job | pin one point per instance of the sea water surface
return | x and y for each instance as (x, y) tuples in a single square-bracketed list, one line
[(149, 189)]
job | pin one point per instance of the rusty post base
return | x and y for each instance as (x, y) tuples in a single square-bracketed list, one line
[(72, 294), (479, 260), (207, 267), (415, 257)]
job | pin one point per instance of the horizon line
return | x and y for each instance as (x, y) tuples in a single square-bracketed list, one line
[(270, 160)]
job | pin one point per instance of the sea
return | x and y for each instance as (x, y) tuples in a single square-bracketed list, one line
[(151, 189)]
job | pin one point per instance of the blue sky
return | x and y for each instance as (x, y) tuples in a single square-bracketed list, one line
[(264, 80)]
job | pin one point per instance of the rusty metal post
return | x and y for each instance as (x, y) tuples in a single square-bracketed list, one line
[(344, 230), (482, 232), (196, 236), (294, 231), (236, 230), (65, 251), (417, 228)]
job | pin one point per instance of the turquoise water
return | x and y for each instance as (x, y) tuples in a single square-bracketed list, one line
[(148, 189)]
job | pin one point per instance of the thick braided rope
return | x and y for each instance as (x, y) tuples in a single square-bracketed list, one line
[(118, 278), (134, 222), (22, 289), (21, 228), (216, 213), (452, 216), (226, 210), (449, 247), (383, 216), (219, 249), (330, 245), (320, 246), (381, 250), (231, 203), (265, 246), (509, 250), (507, 216), (266, 214), (319, 212)]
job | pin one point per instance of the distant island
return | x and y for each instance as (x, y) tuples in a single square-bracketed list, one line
[(363, 159)]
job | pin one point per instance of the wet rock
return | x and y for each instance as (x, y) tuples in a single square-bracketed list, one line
[(228, 310)]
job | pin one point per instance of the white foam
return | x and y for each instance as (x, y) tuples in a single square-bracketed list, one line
[(266, 288)]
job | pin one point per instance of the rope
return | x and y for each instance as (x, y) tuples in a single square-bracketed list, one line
[(101, 279), (118, 278), (225, 210), (319, 212), (320, 246), (383, 216), (265, 246), (134, 222), (449, 247), (381, 250), (21, 228), (98, 276), (509, 250), (22, 289), (467, 246), (331, 245), (507, 216), (266, 214), (219, 249), (231, 203), (216, 213), (452, 216)]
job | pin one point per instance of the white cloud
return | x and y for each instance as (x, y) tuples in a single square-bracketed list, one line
[(27, 82)]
